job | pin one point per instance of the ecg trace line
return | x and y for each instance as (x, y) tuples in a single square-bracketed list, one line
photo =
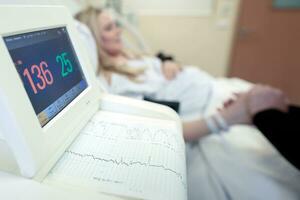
[(167, 146), (131, 163), (134, 133)]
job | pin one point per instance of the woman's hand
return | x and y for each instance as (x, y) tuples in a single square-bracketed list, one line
[(170, 69), (246, 105), (236, 111)]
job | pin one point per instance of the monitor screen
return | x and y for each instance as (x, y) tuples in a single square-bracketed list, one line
[(49, 69)]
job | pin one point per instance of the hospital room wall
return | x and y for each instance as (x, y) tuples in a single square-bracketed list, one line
[(204, 41)]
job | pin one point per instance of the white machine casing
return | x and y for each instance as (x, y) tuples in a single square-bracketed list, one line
[(24, 142)]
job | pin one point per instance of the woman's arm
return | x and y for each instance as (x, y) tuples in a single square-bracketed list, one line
[(236, 113), (240, 111), (194, 130)]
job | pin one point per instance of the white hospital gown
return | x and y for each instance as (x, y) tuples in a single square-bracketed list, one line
[(192, 88)]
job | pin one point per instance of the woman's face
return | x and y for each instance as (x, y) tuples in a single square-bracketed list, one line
[(110, 34)]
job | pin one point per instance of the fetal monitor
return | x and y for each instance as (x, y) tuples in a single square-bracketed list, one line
[(56, 125)]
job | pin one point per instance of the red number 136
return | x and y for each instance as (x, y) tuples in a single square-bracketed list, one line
[(43, 74)]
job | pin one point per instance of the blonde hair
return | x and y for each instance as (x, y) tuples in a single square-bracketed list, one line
[(89, 16)]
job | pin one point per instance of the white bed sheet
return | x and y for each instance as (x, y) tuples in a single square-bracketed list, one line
[(241, 164)]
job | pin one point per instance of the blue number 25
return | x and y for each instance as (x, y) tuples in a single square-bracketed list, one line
[(66, 65)]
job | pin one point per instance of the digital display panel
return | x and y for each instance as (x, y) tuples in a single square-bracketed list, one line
[(49, 69)]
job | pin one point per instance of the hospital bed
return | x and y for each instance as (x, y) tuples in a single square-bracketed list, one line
[(239, 164)]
